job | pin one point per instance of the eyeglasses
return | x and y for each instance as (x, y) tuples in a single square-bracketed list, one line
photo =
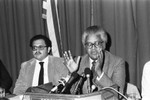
[(97, 44), (38, 47)]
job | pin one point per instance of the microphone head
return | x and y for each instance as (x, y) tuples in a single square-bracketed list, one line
[(72, 78), (74, 75), (87, 72), (93, 87)]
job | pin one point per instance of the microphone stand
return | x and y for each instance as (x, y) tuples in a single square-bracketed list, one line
[(78, 87)]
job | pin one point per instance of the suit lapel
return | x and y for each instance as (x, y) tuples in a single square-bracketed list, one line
[(106, 61), (31, 68), (50, 69), (84, 64)]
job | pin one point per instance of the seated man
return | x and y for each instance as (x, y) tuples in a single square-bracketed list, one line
[(5, 80), (108, 69), (52, 68)]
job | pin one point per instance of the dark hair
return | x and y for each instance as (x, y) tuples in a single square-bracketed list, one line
[(37, 37)]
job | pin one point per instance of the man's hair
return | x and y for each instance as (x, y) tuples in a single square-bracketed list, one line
[(99, 31), (37, 37)]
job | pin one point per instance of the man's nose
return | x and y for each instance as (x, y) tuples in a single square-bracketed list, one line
[(93, 46)]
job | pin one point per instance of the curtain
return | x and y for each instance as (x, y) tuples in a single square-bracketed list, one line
[(143, 33), (73, 18), (126, 21)]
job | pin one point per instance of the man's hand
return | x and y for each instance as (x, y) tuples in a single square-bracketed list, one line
[(69, 61), (99, 63), (2, 92)]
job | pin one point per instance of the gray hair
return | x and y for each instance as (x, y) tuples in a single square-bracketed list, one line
[(99, 31)]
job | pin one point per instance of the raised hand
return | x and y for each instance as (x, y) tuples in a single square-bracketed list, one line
[(69, 61)]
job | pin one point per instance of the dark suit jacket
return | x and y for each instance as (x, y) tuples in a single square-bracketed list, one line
[(114, 71), (56, 70), (5, 79)]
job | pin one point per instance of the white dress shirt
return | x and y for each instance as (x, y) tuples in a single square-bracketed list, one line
[(146, 82), (37, 71)]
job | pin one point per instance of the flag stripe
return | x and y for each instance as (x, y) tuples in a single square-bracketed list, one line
[(56, 26), (44, 11), (50, 26)]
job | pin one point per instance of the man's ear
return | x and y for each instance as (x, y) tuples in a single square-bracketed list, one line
[(49, 50)]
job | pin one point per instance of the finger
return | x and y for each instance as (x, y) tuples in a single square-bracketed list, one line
[(70, 56), (66, 56), (78, 59), (100, 58), (100, 55), (65, 62), (3, 95)]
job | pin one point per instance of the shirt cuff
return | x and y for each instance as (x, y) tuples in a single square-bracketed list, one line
[(99, 77)]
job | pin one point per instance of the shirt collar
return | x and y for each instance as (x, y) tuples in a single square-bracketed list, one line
[(44, 60), (90, 62)]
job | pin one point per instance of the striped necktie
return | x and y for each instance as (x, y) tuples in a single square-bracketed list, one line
[(93, 66)]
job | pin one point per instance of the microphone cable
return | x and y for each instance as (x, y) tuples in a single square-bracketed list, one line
[(104, 88), (59, 87)]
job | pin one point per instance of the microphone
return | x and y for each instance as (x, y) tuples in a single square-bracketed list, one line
[(87, 72), (68, 84), (78, 86), (93, 87)]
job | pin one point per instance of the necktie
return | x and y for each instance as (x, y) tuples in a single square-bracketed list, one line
[(93, 88), (93, 66), (93, 71), (41, 75)]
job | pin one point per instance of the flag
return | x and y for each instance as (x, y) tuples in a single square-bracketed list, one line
[(50, 13)]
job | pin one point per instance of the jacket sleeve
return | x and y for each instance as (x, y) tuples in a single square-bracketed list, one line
[(21, 85)]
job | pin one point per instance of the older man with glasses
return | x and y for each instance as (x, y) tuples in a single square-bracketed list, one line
[(41, 69), (108, 69)]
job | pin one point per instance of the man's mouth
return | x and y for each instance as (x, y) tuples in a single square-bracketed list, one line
[(37, 53), (94, 53)]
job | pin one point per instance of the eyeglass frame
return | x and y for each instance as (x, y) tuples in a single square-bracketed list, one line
[(96, 44), (40, 47)]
